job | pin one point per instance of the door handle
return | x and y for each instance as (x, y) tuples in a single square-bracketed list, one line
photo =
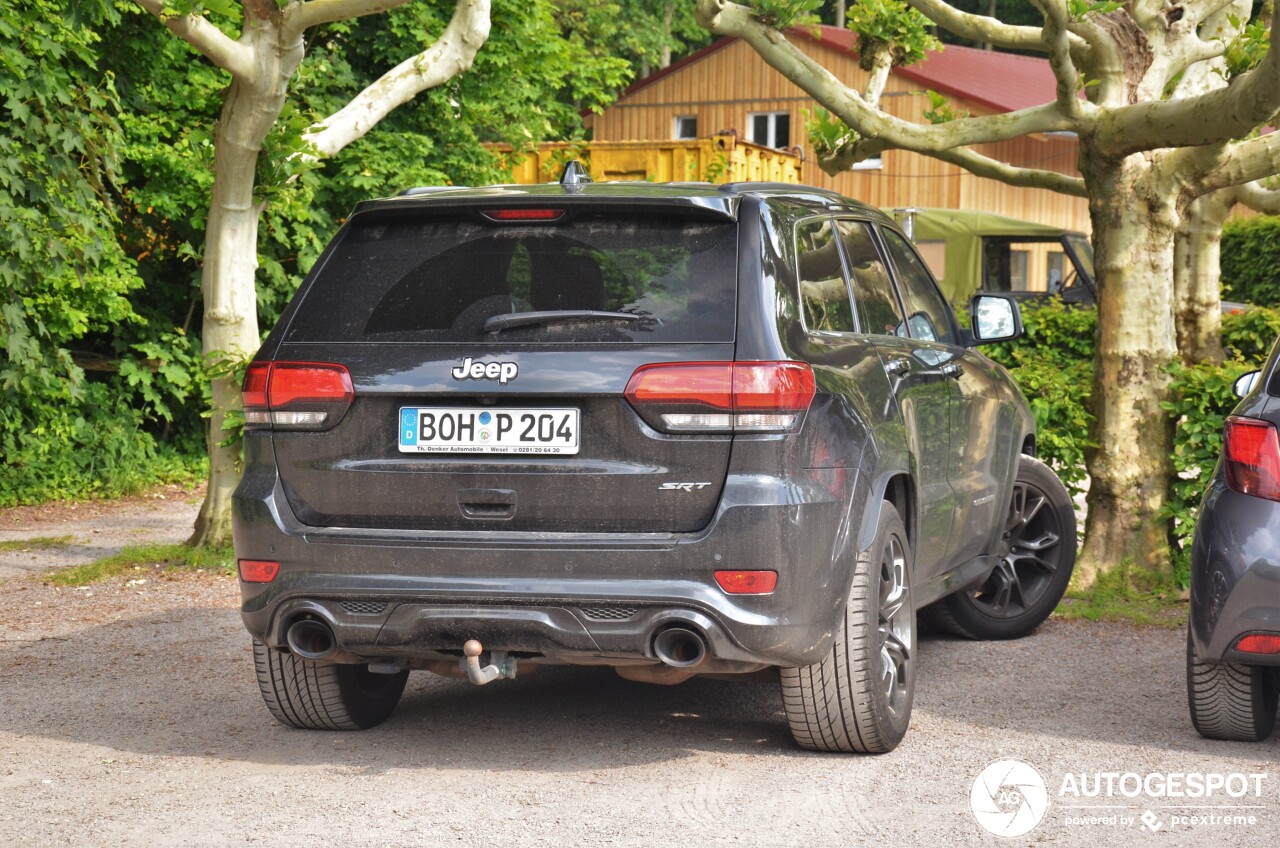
[(897, 367), (954, 370)]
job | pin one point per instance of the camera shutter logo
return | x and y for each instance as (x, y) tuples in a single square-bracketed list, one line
[(1009, 798)]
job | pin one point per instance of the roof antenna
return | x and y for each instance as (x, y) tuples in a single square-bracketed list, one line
[(575, 175)]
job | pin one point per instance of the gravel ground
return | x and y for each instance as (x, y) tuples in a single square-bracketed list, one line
[(129, 716), (96, 528)]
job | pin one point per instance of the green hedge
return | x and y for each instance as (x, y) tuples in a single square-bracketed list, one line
[(1251, 260), (1053, 363)]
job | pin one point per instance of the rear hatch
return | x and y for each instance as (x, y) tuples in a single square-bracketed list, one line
[(464, 419)]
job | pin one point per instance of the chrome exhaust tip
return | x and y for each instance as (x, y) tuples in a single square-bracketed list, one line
[(311, 639), (679, 647)]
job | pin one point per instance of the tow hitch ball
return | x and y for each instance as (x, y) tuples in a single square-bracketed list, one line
[(500, 665)]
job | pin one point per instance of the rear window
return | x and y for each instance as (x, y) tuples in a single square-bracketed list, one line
[(439, 280)]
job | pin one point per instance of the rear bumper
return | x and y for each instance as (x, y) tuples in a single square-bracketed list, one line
[(1235, 574), (566, 597)]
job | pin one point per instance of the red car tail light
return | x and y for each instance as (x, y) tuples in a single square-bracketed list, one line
[(1259, 643), (747, 582), (254, 389), (296, 395), (1251, 458), (722, 397)]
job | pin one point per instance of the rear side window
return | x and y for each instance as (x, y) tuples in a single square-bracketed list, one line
[(878, 309), (822, 287), (439, 280), (928, 314)]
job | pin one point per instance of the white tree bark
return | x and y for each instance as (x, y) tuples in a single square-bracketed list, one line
[(450, 55), (1134, 220), (878, 77), (261, 63), (1197, 250), (1197, 280), (219, 48), (986, 29)]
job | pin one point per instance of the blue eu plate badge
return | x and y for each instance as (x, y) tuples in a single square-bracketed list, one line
[(408, 426)]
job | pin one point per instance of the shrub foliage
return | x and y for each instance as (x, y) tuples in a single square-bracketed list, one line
[(1053, 363), (1251, 260)]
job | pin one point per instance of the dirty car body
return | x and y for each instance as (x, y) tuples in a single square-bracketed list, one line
[(610, 424)]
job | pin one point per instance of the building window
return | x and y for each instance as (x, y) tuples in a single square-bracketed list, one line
[(770, 129), (686, 126)]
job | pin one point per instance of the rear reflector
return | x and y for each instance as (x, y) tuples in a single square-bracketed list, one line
[(523, 214), (1251, 458), (258, 570), (1259, 643), (747, 582), (733, 396), (296, 395)]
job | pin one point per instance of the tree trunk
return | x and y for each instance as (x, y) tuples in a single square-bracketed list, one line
[(249, 110), (840, 10), (1130, 469), (668, 11), (1196, 278)]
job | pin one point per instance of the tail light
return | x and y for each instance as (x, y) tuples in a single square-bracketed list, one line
[(1251, 458), (295, 395), (722, 397), (1259, 643)]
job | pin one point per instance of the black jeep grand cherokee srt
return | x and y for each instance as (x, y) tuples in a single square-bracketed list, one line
[(674, 429)]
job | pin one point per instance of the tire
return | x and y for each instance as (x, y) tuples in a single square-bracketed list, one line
[(1230, 700), (858, 698), (324, 696), (1037, 555)]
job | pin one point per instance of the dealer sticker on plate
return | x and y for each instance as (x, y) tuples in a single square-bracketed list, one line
[(442, 429)]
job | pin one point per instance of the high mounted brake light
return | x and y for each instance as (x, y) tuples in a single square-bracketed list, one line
[(523, 214), (296, 395), (1251, 458), (722, 397)]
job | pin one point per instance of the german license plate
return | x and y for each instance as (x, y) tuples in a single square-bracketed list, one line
[(442, 429)]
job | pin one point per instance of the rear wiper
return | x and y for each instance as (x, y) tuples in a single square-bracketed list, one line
[(511, 320)]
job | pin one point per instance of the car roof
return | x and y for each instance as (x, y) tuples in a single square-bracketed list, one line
[(723, 199)]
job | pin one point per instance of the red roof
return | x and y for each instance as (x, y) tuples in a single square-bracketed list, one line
[(1004, 82)]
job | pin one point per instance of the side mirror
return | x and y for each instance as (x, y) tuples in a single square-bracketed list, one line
[(994, 318), (1245, 383)]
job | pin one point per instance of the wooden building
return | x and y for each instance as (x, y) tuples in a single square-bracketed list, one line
[(727, 86)]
